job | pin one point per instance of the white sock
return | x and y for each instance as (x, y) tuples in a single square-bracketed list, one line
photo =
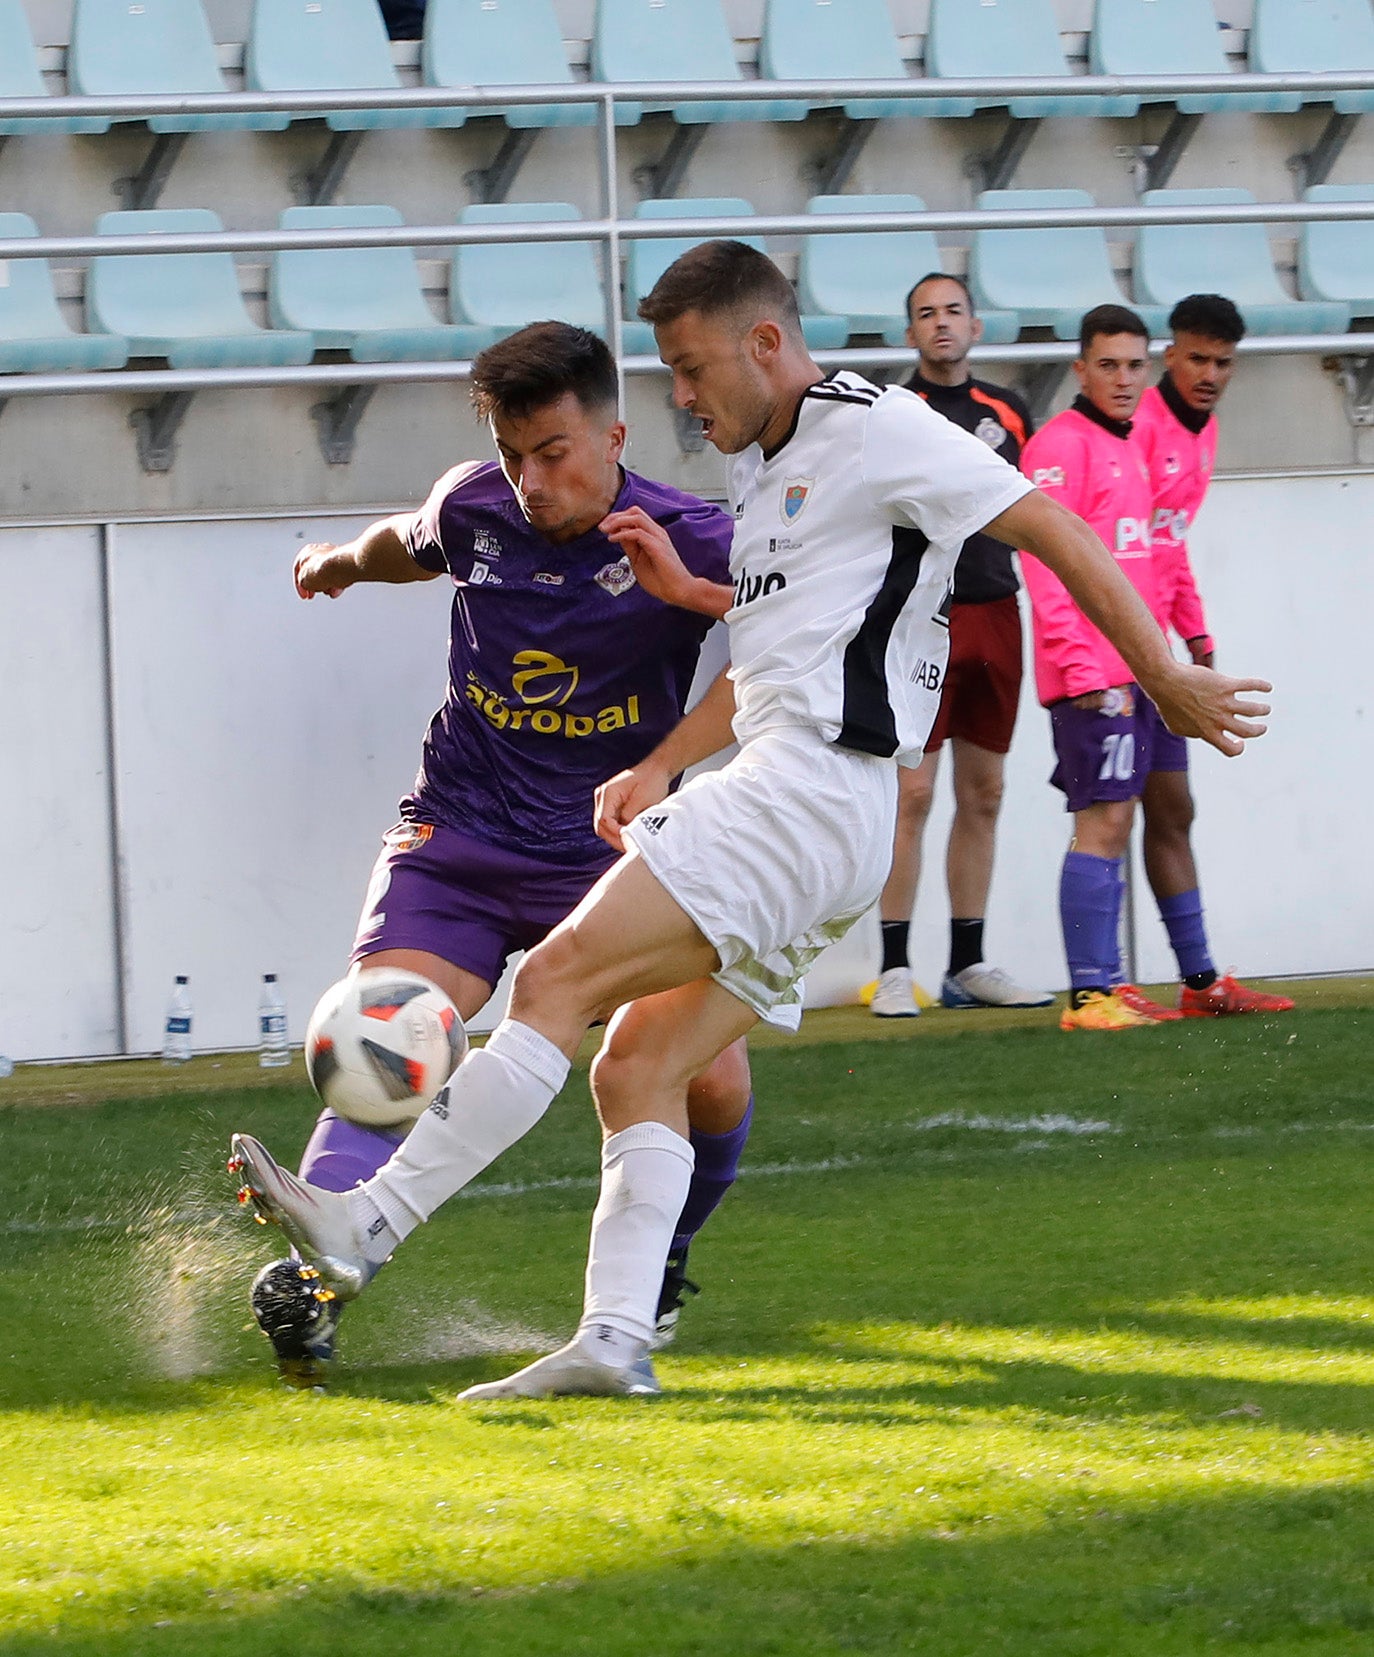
[(494, 1098), (645, 1172)]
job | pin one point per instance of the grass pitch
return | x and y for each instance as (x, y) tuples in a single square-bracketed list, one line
[(1009, 1342)]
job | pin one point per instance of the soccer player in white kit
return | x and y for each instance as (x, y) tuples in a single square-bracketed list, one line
[(851, 504)]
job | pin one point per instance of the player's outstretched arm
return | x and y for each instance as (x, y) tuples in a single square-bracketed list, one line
[(703, 732), (1194, 701), (378, 554), (657, 566)]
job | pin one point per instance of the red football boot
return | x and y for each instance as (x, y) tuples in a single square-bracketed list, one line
[(1225, 996), (1137, 1000)]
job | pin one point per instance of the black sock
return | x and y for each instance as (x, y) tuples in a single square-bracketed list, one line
[(1200, 980), (965, 944), (1079, 996), (894, 944)]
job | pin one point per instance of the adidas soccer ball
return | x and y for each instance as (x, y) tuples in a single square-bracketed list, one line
[(380, 1045)]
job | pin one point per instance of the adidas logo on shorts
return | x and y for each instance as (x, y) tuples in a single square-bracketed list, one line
[(651, 825)]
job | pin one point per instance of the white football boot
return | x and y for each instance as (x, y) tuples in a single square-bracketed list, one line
[(316, 1221), (571, 1372), (895, 996), (983, 986)]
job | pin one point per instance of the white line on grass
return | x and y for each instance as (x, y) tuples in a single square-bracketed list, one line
[(1036, 1127)]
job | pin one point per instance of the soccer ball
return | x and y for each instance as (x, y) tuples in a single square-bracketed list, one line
[(380, 1045)]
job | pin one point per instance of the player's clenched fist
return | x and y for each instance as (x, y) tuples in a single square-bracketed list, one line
[(625, 796), (319, 569)]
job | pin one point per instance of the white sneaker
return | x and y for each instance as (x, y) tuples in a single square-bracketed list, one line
[(316, 1221), (983, 986), (895, 996), (572, 1371)]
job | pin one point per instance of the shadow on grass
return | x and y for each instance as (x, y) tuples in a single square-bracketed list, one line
[(1269, 1569)]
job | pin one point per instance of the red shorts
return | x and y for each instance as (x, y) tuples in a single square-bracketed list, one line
[(983, 680)]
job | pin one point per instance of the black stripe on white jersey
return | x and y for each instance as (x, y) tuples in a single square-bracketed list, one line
[(868, 722)]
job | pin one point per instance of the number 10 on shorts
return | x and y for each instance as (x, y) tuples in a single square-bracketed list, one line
[(1118, 757)]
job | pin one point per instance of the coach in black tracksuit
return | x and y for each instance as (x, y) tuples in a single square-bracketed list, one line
[(981, 690)]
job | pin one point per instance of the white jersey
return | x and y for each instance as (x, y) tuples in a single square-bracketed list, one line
[(846, 538)]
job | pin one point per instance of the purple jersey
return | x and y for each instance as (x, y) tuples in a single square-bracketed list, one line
[(562, 669)]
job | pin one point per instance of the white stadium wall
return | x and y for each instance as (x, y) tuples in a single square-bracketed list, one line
[(261, 745)]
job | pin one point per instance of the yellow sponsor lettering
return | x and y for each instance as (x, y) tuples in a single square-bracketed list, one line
[(518, 716), (611, 719), (540, 665), (545, 720), (634, 710), (578, 724)]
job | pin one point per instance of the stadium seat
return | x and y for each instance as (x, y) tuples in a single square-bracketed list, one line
[(34, 337), (1167, 37), (864, 276), (979, 39), (1177, 259), (1298, 37), (364, 300), (491, 43), (1048, 277), (153, 47), (674, 40), (186, 307), (816, 40), (1336, 259), (502, 286), (646, 261), (20, 77), (328, 46)]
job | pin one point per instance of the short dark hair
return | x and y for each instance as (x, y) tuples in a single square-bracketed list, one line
[(541, 363), (715, 278), (1109, 319), (940, 276), (1210, 314)]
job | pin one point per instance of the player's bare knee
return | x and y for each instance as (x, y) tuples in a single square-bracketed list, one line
[(718, 1096), (553, 974), (915, 792)]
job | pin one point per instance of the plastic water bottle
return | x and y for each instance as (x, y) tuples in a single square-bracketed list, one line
[(176, 1039), (273, 1048)]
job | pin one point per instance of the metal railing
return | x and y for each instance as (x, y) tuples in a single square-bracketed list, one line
[(610, 230)]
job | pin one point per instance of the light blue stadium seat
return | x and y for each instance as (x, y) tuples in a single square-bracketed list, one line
[(1167, 37), (364, 300), (34, 336), (329, 46), (20, 77), (1298, 37), (983, 38), (186, 307), (1048, 277), (646, 261), (490, 43), (674, 40), (866, 275), (504, 285), (153, 47), (1177, 259), (1336, 260), (852, 40)]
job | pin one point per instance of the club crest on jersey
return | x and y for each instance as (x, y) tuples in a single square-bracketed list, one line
[(616, 578), (990, 431), (795, 494)]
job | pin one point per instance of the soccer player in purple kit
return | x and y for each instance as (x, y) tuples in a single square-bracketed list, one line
[(564, 669)]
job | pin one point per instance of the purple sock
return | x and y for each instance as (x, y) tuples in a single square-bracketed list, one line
[(1089, 903), (717, 1163), (1182, 917), (341, 1153)]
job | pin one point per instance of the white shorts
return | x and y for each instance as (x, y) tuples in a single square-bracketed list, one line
[(774, 857)]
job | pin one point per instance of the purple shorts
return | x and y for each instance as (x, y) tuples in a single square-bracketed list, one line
[(1107, 756), (469, 903)]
